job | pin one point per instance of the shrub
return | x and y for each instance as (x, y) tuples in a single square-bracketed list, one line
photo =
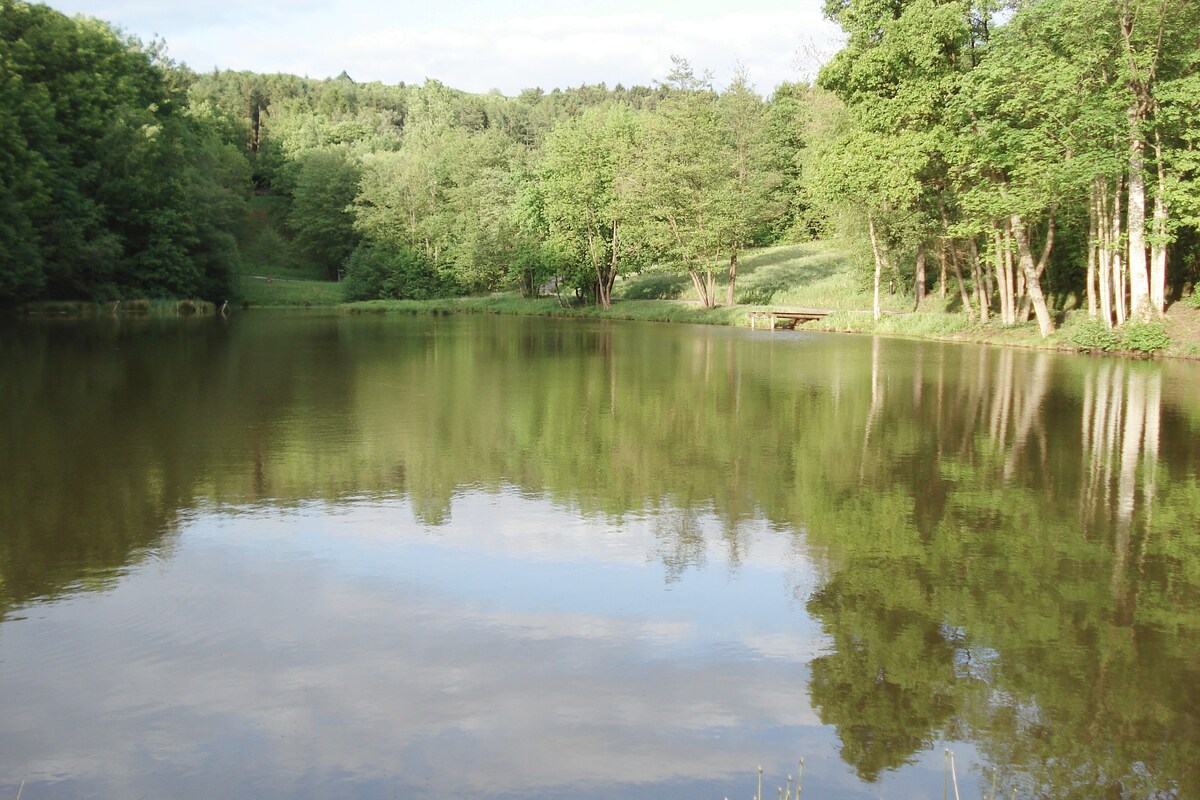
[(1092, 334), (1145, 337), (376, 271)]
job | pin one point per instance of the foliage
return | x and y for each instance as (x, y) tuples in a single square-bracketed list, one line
[(321, 216), (383, 271), (682, 186), (111, 186), (583, 202), (266, 244), (957, 134), (270, 292), (1145, 337), (1093, 334)]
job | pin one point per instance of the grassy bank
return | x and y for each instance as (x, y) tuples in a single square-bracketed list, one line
[(126, 308), (275, 271), (818, 275), (645, 310), (268, 291), (811, 275), (266, 245)]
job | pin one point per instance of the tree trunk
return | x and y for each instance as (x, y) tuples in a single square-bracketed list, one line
[(1118, 259), (875, 308), (1092, 246), (606, 270), (958, 276), (1003, 278), (732, 276), (989, 281), (950, 247), (977, 275), (701, 288), (1021, 300), (919, 274), (1104, 254), (1159, 244), (1031, 270), (942, 276), (1139, 278)]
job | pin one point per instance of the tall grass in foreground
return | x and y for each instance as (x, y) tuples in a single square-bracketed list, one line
[(122, 308), (784, 794), (949, 782)]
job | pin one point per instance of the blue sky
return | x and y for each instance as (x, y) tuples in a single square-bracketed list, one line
[(479, 46)]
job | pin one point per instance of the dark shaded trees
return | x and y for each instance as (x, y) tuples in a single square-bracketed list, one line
[(109, 185)]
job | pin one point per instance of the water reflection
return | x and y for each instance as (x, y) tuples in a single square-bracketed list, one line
[(313, 555)]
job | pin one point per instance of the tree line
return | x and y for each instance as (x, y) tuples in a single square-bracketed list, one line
[(420, 191), (1037, 149), (1014, 158)]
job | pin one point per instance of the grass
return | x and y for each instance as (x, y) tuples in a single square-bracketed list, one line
[(645, 310), (255, 291), (811, 275), (266, 246), (275, 272), (126, 308)]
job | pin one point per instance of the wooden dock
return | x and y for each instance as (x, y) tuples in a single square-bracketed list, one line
[(786, 320)]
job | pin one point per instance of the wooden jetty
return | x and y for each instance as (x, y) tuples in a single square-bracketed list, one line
[(786, 320)]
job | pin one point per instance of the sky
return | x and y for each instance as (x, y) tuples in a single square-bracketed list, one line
[(480, 46)]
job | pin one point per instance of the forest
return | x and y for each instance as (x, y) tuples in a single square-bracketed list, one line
[(1019, 158)]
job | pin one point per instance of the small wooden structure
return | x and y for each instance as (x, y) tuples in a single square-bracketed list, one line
[(786, 320)]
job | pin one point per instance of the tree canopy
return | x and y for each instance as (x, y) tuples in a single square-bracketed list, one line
[(1042, 152)]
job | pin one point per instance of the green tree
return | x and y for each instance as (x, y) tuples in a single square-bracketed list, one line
[(322, 216), (111, 186), (753, 181), (683, 182), (902, 63), (583, 190)]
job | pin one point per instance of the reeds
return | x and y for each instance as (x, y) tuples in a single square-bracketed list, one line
[(791, 791), (783, 793), (137, 307)]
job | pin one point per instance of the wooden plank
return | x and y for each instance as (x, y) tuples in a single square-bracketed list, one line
[(785, 319)]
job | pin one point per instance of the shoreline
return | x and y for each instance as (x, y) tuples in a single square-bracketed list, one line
[(933, 326), (921, 325)]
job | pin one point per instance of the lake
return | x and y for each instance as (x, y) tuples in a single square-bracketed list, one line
[(303, 555)]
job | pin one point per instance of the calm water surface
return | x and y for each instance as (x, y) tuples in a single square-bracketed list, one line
[(316, 556)]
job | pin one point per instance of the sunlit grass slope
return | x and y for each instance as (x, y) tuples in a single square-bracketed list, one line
[(810, 275)]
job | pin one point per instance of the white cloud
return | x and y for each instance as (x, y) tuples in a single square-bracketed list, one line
[(289, 675), (477, 49), (568, 50)]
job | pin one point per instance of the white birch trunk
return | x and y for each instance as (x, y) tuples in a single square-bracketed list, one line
[(1139, 277), (1158, 248), (875, 308), (1032, 279)]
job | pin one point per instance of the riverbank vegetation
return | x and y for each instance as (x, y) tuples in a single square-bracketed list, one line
[(1017, 164)]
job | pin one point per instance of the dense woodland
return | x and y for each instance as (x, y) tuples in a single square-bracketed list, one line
[(1017, 158)]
